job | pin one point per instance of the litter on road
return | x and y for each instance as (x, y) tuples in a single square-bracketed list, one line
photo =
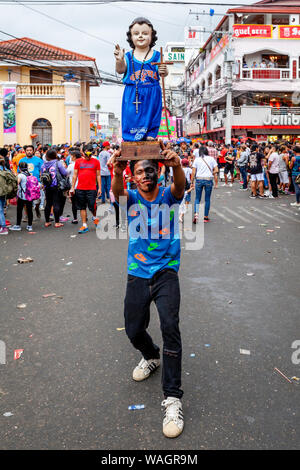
[(120, 329), (7, 414), (48, 295), (18, 353), (281, 373), (25, 260), (245, 351), (22, 306), (69, 263), (250, 274), (192, 355), (136, 407)]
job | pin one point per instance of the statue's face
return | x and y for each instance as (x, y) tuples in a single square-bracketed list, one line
[(141, 35)]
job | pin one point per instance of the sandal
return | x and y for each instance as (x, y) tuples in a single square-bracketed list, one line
[(47, 224), (58, 224)]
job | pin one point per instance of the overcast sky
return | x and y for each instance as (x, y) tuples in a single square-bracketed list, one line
[(110, 22)]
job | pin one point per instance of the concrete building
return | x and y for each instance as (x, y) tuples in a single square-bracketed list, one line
[(175, 52), (44, 92), (110, 126), (260, 44)]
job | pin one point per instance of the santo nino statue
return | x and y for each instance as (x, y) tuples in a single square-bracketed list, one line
[(142, 98)]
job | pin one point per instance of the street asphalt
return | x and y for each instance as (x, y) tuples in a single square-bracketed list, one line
[(72, 385)]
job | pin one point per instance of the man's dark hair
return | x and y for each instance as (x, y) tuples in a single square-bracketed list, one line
[(76, 154), (45, 148), (27, 146), (196, 146), (254, 148), (51, 154), (88, 148), (134, 162), (3, 152), (141, 20), (296, 149), (203, 151)]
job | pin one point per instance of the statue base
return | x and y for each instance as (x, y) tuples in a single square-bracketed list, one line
[(142, 150)]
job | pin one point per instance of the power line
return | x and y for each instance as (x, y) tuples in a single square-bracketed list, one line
[(65, 24), (41, 48), (101, 2)]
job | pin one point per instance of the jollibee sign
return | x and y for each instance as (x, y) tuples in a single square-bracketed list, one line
[(252, 31)]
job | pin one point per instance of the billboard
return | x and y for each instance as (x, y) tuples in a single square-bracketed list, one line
[(9, 110), (252, 31)]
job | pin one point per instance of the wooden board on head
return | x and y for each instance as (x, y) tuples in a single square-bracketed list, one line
[(143, 150)]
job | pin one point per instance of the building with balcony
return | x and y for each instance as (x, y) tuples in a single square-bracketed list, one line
[(175, 52), (44, 92), (254, 53)]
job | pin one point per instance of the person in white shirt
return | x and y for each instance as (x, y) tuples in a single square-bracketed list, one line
[(204, 168), (273, 167)]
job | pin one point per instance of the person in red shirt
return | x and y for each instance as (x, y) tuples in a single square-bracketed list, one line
[(87, 172)]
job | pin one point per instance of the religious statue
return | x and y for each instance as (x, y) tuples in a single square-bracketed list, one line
[(142, 68)]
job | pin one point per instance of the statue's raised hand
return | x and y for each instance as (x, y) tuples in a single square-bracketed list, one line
[(119, 53)]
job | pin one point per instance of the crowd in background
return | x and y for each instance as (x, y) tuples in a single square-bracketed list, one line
[(45, 177)]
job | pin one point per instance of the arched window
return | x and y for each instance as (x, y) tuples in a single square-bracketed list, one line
[(42, 128)]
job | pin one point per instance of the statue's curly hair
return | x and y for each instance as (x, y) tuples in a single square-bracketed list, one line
[(141, 20)]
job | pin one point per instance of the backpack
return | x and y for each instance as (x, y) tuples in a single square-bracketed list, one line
[(8, 184), (32, 189), (63, 182), (46, 178)]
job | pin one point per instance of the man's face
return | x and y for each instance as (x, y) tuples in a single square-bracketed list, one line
[(146, 175), (29, 152)]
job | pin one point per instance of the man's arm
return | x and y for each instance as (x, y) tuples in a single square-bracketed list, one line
[(117, 185), (74, 179), (193, 175), (173, 160), (99, 182)]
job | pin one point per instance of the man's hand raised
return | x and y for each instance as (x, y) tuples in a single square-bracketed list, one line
[(171, 158)]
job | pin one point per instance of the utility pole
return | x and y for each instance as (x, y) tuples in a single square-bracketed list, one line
[(229, 59)]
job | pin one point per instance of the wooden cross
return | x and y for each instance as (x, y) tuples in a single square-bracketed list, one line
[(163, 86)]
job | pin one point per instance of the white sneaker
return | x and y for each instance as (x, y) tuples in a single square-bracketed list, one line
[(271, 196), (296, 204), (230, 185), (173, 420), (144, 369), (29, 228), (15, 228)]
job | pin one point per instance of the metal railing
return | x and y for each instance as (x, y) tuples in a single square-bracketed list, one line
[(265, 74)]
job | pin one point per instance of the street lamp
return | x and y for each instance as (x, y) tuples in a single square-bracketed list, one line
[(70, 113)]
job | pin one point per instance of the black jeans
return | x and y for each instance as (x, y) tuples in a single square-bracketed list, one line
[(20, 204), (164, 289), (74, 206), (54, 197), (273, 181)]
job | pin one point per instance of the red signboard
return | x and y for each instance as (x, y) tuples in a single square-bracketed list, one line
[(252, 31), (222, 43), (289, 32)]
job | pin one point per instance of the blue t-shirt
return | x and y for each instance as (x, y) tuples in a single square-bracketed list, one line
[(34, 165), (154, 241)]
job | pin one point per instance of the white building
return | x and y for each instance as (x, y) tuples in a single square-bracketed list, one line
[(263, 41), (175, 52)]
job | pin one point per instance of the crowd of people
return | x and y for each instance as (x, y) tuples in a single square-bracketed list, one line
[(45, 177)]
